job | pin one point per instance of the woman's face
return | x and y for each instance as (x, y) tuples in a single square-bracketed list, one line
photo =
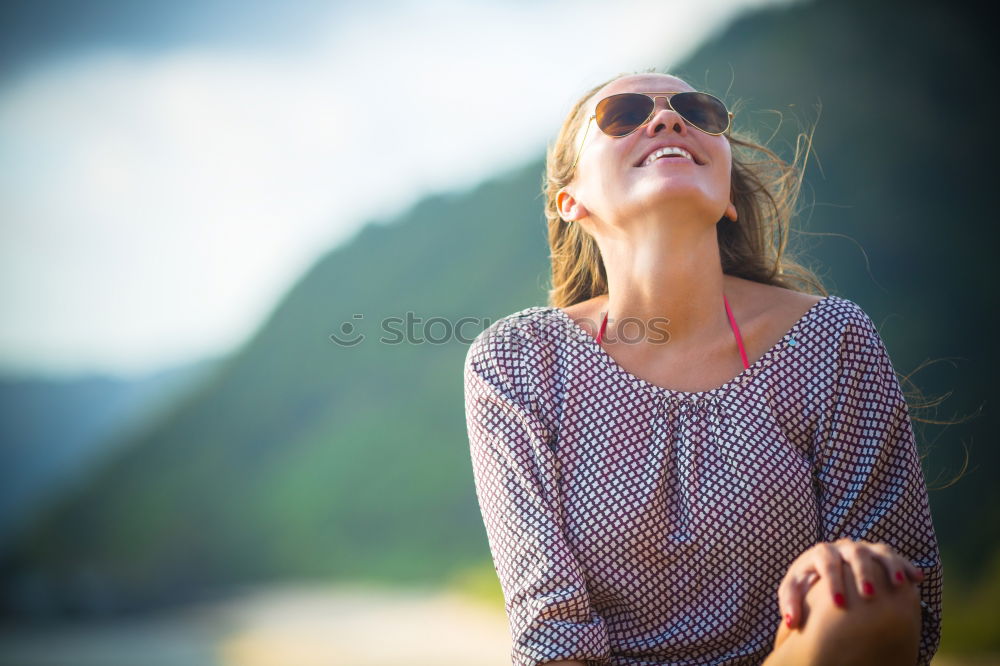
[(615, 182)]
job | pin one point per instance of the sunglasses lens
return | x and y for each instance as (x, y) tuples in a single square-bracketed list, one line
[(621, 114), (702, 110)]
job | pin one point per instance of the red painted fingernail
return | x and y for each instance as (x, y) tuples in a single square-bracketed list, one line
[(838, 599), (869, 588), (899, 576), (788, 620)]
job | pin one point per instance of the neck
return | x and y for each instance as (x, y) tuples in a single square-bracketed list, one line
[(670, 279)]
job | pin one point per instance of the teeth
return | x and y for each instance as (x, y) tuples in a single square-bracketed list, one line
[(669, 150)]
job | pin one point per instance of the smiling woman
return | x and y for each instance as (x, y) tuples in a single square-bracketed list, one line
[(654, 498)]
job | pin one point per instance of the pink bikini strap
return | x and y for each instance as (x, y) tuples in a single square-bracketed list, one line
[(736, 331), (732, 322), (604, 325)]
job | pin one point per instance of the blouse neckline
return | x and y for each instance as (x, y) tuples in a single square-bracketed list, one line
[(788, 339)]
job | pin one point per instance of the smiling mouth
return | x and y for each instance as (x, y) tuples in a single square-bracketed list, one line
[(669, 152)]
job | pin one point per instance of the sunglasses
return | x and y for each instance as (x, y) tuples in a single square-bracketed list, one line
[(620, 115)]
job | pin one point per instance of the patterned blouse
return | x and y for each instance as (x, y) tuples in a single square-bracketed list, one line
[(635, 524)]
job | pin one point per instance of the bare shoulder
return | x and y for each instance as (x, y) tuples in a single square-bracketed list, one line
[(765, 298), (789, 300), (766, 312), (588, 313)]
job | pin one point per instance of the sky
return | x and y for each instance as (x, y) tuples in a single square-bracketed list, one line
[(169, 170)]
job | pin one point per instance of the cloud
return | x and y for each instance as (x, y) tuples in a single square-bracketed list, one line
[(156, 205)]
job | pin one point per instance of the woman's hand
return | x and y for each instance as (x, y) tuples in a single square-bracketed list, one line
[(824, 561)]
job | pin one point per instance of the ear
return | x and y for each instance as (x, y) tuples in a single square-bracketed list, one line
[(731, 212), (570, 209)]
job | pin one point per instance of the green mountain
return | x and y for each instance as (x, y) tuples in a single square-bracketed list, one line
[(305, 458)]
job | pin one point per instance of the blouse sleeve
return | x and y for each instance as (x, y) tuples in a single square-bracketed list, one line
[(543, 585), (871, 485)]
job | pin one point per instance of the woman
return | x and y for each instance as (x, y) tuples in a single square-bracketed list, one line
[(680, 450)]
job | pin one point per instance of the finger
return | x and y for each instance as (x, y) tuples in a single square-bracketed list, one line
[(799, 578), (790, 598), (865, 567), (894, 565), (899, 568), (827, 561), (915, 573), (795, 584)]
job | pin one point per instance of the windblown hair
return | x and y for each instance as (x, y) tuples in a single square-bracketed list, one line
[(765, 192)]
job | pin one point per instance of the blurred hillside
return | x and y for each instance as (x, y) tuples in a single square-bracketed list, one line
[(55, 430), (304, 458)]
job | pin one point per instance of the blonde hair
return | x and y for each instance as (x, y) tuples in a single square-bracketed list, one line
[(764, 191)]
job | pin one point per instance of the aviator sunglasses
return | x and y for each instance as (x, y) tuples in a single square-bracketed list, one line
[(620, 115)]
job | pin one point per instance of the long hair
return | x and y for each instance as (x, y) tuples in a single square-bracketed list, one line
[(765, 192)]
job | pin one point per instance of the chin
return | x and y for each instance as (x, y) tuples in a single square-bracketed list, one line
[(686, 194)]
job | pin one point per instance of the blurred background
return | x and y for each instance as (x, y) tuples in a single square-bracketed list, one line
[(194, 196)]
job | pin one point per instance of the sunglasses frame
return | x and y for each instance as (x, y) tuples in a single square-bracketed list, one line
[(654, 96)]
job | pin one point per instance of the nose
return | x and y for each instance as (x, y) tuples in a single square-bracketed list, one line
[(664, 117)]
